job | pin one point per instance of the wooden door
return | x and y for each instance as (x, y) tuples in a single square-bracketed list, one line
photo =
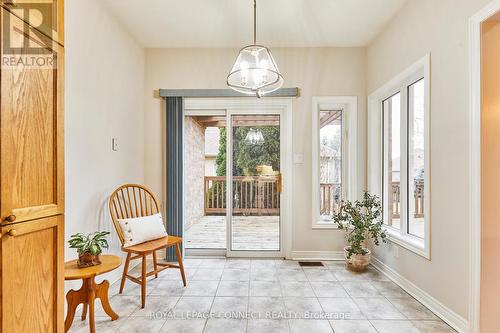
[(31, 132), (32, 267)]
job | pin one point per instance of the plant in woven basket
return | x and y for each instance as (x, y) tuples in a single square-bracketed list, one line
[(89, 247), (361, 220)]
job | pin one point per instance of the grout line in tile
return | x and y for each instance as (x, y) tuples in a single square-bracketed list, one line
[(282, 296)]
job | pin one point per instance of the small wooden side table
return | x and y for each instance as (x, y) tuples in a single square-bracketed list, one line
[(89, 291)]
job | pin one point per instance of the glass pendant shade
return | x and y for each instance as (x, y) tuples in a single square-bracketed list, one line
[(255, 72), (254, 137)]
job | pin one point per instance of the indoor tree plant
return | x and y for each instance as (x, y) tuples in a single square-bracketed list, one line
[(89, 247), (362, 220)]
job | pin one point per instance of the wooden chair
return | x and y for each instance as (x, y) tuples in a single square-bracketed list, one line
[(130, 201)]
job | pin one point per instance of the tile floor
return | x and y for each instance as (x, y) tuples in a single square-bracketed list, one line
[(239, 295)]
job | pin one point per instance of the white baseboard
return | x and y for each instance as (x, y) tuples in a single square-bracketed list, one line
[(316, 255), (439, 309)]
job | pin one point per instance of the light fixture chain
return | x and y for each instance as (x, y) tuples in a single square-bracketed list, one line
[(254, 22), (254, 71)]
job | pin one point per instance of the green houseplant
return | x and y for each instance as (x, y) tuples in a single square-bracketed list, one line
[(89, 247), (362, 220)]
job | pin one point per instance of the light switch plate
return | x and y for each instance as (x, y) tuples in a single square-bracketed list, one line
[(298, 159), (114, 144)]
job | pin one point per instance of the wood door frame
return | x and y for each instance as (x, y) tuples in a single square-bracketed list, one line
[(239, 105), (475, 161)]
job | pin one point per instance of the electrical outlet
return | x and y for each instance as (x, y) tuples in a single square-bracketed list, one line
[(114, 144), (395, 251)]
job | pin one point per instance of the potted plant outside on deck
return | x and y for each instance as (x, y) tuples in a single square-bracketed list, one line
[(361, 220), (89, 247)]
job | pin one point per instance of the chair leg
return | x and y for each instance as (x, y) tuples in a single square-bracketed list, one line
[(143, 282), (181, 266), (125, 272), (155, 264)]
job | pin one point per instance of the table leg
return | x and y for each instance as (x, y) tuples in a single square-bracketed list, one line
[(87, 295), (91, 300), (102, 293), (84, 311), (75, 298)]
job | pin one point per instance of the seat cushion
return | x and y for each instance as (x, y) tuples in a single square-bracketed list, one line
[(142, 229)]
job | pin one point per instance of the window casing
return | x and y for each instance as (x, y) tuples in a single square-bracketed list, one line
[(398, 169), (333, 156)]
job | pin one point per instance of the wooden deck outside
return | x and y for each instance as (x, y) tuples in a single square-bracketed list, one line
[(256, 209), (249, 233)]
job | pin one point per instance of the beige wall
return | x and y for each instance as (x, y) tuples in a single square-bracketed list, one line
[(490, 183), (106, 72), (194, 171), (441, 29), (317, 71), (104, 85)]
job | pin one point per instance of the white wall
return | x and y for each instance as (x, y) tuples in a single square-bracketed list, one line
[(316, 71), (441, 29), (104, 85), (106, 71)]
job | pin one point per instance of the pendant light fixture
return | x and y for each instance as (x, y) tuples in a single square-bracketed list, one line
[(255, 72), (254, 137)]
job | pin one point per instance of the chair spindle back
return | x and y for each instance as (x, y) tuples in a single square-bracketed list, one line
[(131, 201)]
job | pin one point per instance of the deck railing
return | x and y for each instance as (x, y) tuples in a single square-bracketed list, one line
[(258, 195), (331, 196), (252, 195), (418, 197)]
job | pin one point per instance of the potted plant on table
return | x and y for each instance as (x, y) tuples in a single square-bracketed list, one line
[(362, 220), (89, 247)]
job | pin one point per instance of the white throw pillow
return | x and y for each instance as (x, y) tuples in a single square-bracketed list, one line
[(142, 229)]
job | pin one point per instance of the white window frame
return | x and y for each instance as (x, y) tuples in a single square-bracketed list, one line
[(417, 71), (349, 107)]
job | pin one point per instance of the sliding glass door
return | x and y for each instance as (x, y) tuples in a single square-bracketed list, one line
[(234, 161), (254, 167)]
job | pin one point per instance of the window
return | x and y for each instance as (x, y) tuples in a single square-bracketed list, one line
[(399, 145), (416, 159), (330, 161), (334, 128), (391, 114)]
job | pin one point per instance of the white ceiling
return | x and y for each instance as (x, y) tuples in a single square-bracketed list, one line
[(228, 23)]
